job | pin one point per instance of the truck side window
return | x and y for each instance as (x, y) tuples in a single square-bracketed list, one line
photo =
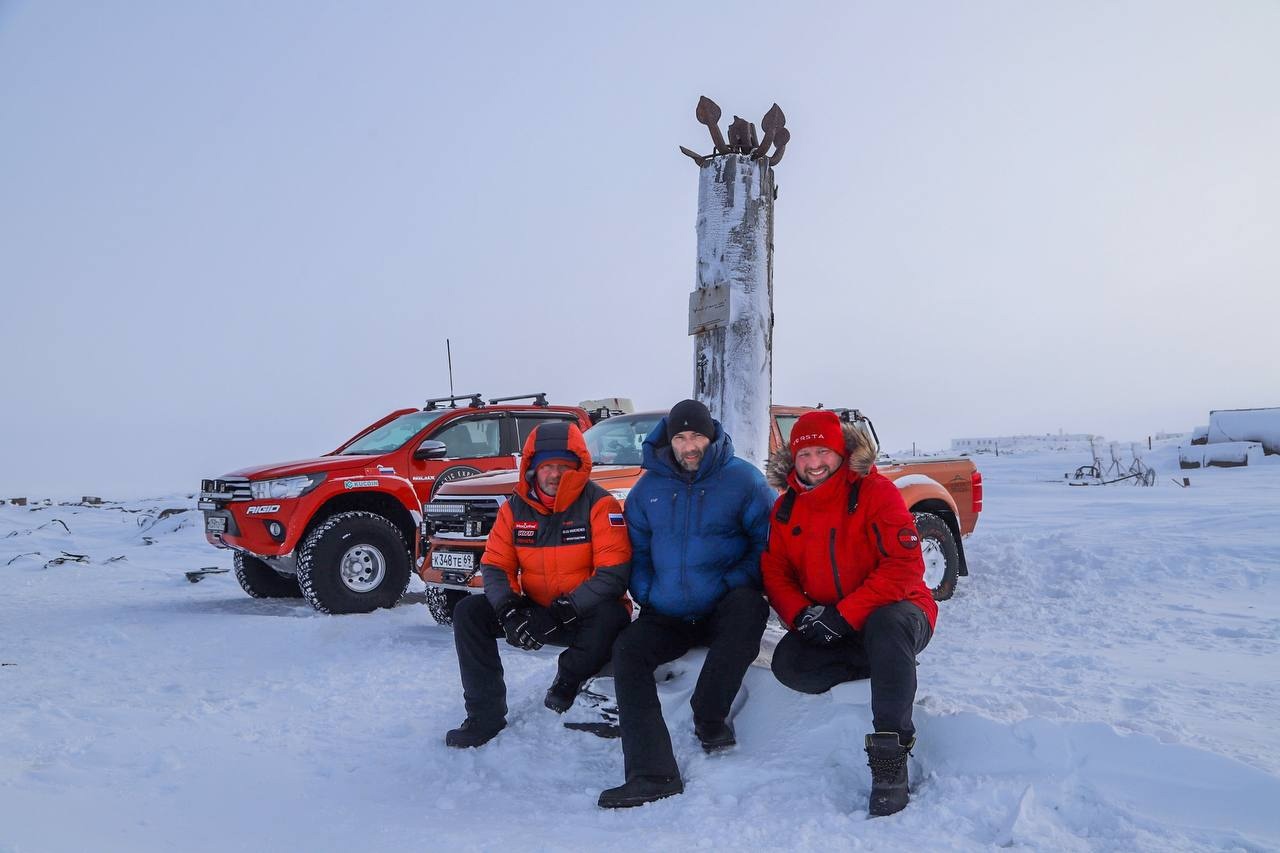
[(472, 439), (526, 425)]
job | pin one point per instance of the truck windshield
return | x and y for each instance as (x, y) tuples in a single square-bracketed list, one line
[(620, 440), (785, 423), (390, 436)]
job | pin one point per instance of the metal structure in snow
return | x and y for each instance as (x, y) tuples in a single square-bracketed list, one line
[(1137, 473), (731, 309)]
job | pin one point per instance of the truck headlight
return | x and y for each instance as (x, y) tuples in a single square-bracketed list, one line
[(285, 487)]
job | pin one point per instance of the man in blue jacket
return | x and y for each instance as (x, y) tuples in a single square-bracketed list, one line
[(698, 520)]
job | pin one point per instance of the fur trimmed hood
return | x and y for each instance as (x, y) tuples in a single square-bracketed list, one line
[(860, 455)]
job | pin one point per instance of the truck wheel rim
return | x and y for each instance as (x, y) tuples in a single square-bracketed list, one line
[(362, 568), (935, 562)]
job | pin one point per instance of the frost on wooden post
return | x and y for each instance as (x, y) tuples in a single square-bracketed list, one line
[(733, 342), (733, 366)]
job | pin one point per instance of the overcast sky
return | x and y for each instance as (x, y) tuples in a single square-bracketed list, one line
[(236, 232)]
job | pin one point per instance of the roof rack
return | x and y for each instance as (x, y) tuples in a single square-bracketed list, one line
[(855, 416), (603, 413), (538, 399), (477, 402)]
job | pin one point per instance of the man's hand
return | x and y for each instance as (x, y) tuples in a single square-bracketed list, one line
[(514, 615), (806, 617), (564, 612), (822, 625)]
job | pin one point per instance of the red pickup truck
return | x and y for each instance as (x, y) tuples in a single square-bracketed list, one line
[(944, 494), (341, 529)]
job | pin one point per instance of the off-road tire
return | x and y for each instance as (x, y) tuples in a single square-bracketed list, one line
[(261, 581), (321, 553), (936, 538), (440, 603)]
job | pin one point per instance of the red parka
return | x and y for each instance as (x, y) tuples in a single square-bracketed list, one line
[(823, 554)]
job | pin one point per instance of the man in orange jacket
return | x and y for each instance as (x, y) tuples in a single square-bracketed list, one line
[(843, 571), (556, 569)]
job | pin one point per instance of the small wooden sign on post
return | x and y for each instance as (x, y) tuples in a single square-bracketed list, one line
[(709, 308)]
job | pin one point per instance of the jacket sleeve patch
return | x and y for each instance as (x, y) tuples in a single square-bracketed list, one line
[(616, 520), (908, 538)]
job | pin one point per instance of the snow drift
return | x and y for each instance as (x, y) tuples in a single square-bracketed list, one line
[(1103, 680)]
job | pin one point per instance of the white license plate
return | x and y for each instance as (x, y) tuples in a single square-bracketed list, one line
[(216, 524), (453, 560)]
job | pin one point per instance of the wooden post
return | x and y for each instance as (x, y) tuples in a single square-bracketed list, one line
[(731, 311)]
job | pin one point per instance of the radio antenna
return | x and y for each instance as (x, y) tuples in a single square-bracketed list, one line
[(449, 354)]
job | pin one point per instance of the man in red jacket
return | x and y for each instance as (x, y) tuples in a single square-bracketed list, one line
[(844, 573)]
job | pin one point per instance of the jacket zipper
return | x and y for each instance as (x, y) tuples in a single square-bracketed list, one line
[(702, 493), (684, 541), (835, 570), (879, 542)]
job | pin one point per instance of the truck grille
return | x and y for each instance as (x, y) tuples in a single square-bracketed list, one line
[(473, 521), (226, 490)]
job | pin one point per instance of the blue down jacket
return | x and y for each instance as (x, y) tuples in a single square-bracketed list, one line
[(695, 536)]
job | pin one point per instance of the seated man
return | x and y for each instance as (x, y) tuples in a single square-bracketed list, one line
[(844, 573), (698, 519), (555, 570)]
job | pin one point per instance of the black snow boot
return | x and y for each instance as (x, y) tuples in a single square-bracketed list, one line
[(472, 732), (715, 735), (887, 757), (560, 694), (640, 790)]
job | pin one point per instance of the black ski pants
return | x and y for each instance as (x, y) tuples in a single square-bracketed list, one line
[(732, 634), (476, 632), (885, 649)]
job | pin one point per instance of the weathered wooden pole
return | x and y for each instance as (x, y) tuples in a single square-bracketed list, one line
[(731, 311)]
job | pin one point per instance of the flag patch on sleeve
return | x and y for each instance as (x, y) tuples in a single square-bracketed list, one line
[(616, 520)]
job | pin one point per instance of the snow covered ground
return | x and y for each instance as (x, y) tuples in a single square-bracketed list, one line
[(1106, 679)]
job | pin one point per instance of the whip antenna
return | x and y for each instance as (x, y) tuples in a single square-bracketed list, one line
[(449, 355)]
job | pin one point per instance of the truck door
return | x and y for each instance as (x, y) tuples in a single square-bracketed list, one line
[(474, 445)]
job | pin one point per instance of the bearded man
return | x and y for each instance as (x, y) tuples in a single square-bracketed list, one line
[(844, 573)]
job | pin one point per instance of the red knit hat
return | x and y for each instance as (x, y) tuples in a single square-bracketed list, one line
[(818, 429)]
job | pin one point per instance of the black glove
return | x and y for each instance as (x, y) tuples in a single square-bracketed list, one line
[(564, 611), (542, 622), (514, 615), (805, 617), (822, 625)]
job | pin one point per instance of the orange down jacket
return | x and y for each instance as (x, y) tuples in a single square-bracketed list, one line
[(577, 548)]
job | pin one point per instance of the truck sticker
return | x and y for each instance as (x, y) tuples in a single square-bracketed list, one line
[(457, 472), (262, 510), (383, 469), (358, 484)]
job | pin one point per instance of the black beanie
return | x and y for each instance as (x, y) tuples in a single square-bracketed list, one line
[(690, 415)]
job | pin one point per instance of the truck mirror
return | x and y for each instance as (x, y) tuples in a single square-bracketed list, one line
[(431, 449)]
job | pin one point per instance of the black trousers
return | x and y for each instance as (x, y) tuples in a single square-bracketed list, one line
[(476, 632), (885, 649), (732, 634)]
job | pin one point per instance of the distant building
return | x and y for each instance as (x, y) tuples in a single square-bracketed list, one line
[(1012, 443)]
